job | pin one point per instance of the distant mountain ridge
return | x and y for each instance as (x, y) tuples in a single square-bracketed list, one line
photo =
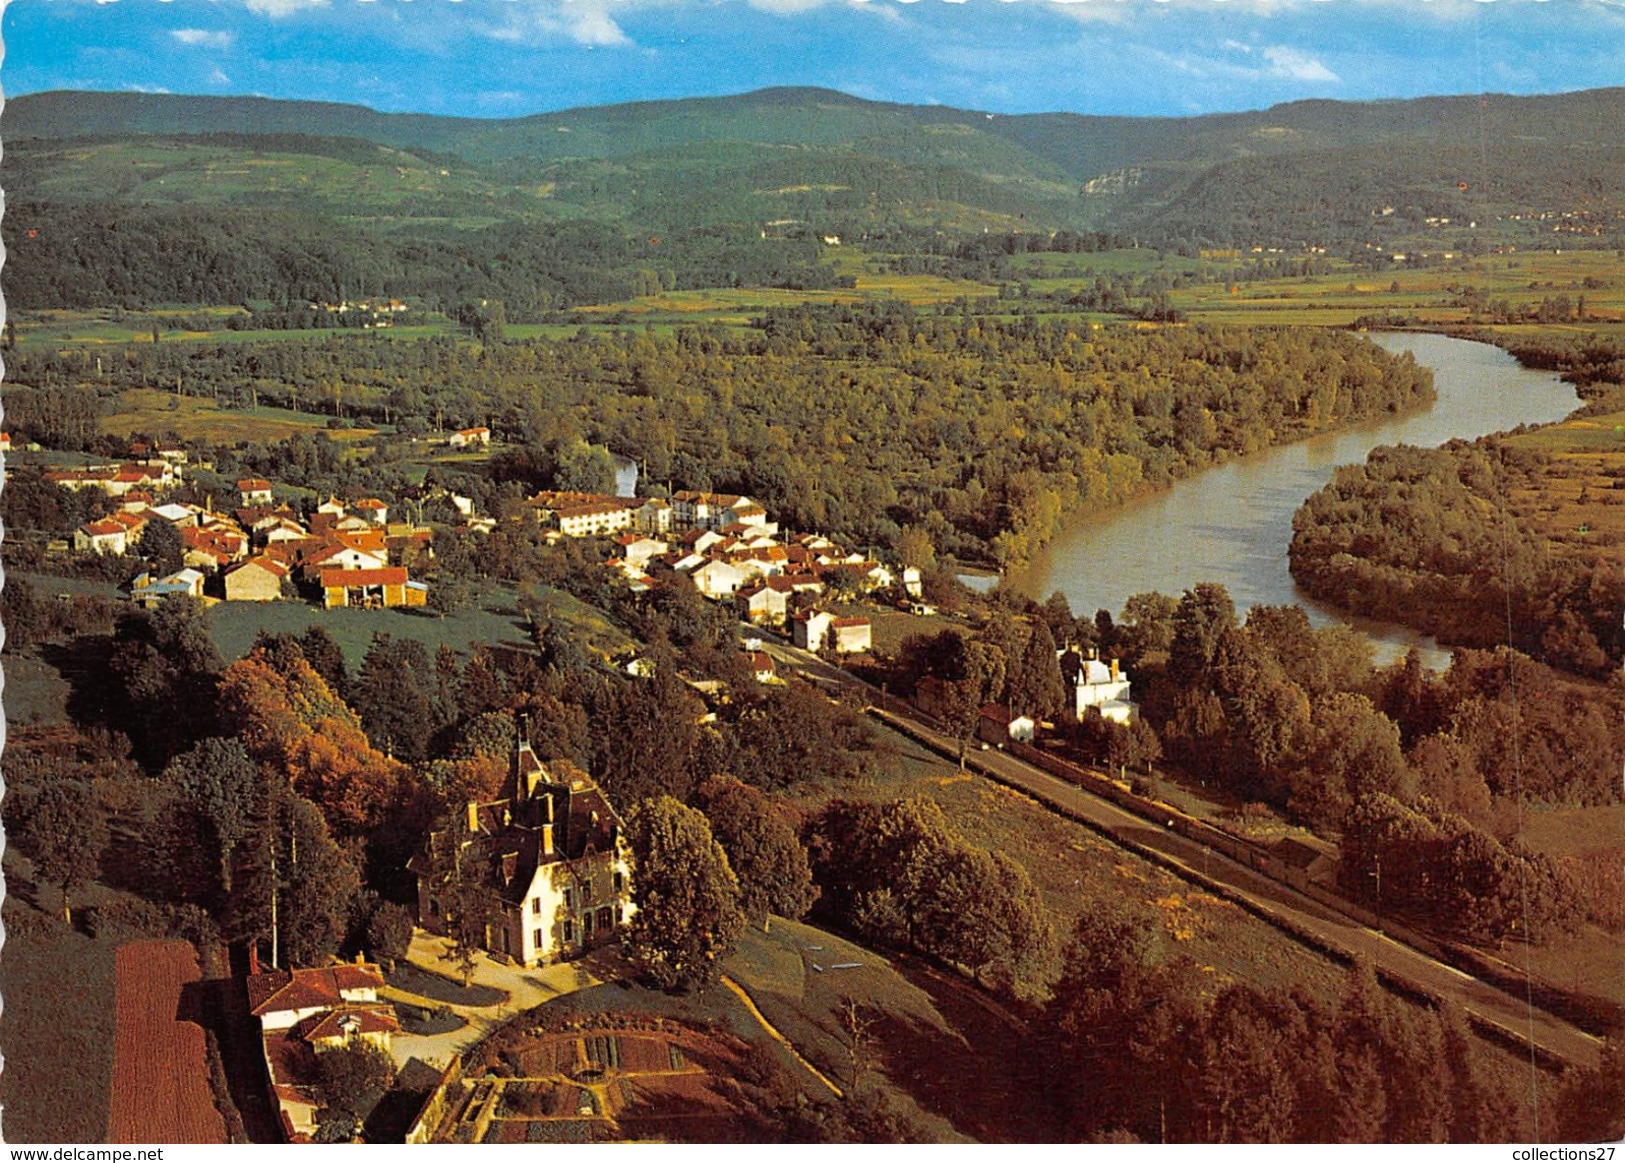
[(598, 203), (1081, 146)]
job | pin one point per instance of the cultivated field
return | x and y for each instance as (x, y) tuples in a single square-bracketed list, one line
[(160, 1072)]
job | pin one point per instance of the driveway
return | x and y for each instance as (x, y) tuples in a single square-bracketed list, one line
[(525, 989)]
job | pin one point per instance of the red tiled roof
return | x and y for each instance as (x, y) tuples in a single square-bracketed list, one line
[(849, 623), (365, 540), (106, 527), (388, 576), (367, 1020), (301, 989), (269, 565), (253, 485)]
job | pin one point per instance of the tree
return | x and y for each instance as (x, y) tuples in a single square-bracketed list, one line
[(67, 834), (167, 667), (1035, 687), (291, 721), (317, 883), (392, 696), (1203, 615), (975, 681), (688, 904), (913, 548), (763, 849), (645, 746), (161, 545), (226, 790), (349, 1082), (389, 931)]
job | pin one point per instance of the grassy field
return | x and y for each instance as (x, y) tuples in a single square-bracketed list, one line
[(153, 411), (1429, 294), (1591, 961), (1074, 869), (496, 619), (57, 1025)]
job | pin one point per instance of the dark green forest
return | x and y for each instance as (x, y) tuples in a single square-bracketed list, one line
[(1426, 536), (854, 422)]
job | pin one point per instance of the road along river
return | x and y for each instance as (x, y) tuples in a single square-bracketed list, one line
[(1232, 524)]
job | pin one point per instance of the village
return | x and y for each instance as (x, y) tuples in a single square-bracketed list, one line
[(549, 855)]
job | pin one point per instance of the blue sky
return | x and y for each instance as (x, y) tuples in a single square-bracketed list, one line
[(492, 58)]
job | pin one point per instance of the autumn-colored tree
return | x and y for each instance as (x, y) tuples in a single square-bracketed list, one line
[(289, 719)]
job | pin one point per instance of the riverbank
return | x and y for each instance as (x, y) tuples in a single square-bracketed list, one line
[(1232, 524)]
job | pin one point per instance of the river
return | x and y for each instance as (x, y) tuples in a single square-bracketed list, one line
[(1232, 524)]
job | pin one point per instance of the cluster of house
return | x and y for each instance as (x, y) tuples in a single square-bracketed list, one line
[(348, 552), (306, 1012), (728, 548), (382, 312)]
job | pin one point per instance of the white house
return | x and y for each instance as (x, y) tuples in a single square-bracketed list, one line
[(852, 635), (717, 579), (808, 628), (1104, 686), (104, 536), (254, 491), (303, 1012), (467, 437), (996, 725)]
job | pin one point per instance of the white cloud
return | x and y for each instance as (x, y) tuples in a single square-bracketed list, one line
[(1096, 11), (1297, 66), (276, 9), (586, 22), (218, 77), (786, 7), (201, 38)]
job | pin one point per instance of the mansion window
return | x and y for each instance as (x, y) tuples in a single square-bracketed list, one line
[(620, 882), (536, 906), (538, 938), (569, 931)]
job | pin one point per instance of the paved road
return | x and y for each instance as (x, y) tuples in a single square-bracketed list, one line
[(1488, 1002)]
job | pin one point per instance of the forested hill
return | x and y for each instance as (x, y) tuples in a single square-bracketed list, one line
[(1079, 146), (340, 200)]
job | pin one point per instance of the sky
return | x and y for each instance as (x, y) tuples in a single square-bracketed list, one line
[(502, 58)]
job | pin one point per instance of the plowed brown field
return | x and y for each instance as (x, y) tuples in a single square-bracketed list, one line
[(160, 1074)]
